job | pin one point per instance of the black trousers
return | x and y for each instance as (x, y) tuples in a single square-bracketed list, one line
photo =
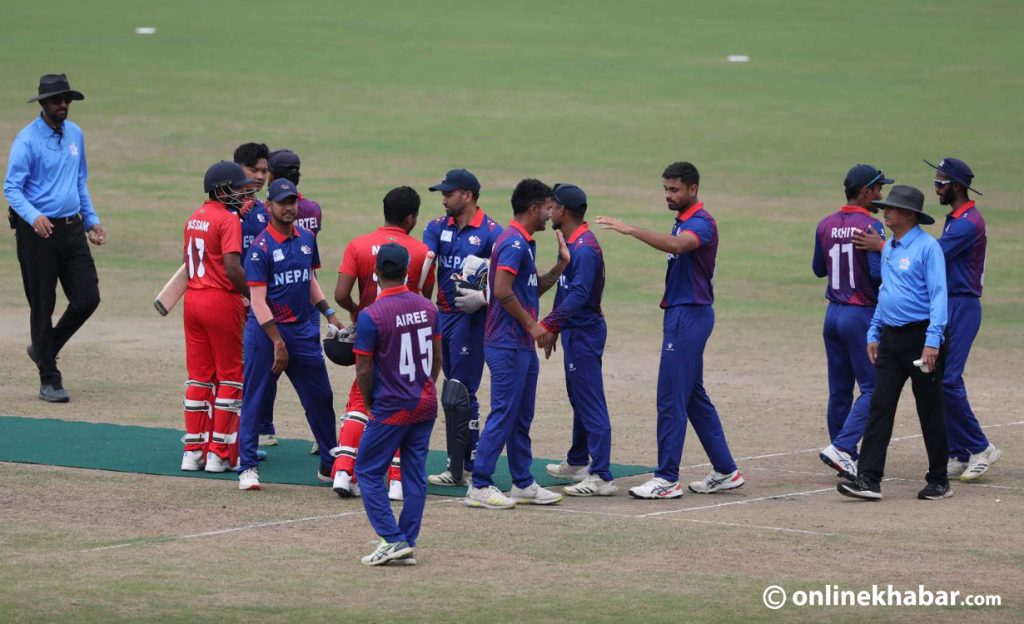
[(897, 350), (64, 256)]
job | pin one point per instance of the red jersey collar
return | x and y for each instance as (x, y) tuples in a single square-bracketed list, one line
[(959, 212), (392, 228), (579, 232), (857, 209), (683, 216), (518, 226), (279, 237), (394, 290), (475, 222)]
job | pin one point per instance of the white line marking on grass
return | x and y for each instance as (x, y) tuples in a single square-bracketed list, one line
[(745, 501), (258, 525)]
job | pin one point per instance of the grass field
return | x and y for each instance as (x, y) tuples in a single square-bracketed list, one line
[(602, 94)]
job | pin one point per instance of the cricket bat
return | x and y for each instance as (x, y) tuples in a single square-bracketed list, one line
[(172, 292), (428, 265)]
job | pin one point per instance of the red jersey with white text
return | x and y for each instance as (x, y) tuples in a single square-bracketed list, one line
[(360, 260), (211, 232)]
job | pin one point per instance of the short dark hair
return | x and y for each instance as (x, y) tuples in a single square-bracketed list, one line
[(399, 203), (529, 192), (852, 192), (684, 171), (249, 154)]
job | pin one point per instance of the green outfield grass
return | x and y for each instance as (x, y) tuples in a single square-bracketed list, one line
[(602, 94)]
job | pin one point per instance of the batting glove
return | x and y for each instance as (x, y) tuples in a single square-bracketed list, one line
[(469, 300)]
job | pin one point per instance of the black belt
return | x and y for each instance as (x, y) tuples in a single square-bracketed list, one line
[(908, 326), (58, 221)]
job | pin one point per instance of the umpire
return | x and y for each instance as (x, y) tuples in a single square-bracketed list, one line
[(52, 215), (903, 341)]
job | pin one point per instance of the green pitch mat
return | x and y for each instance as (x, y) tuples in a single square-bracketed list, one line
[(157, 451)]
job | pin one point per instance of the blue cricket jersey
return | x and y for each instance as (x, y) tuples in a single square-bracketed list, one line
[(913, 286), (853, 274), (285, 265), (513, 252), (254, 222), (47, 174), (963, 241), (451, 246), (690, 276), (580, 286)]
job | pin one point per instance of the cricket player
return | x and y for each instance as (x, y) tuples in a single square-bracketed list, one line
[(577, 318), (689, 319), (358, 265), (279, 269), (510, 351), (398, 358), (214, 314), (464, 231), (852, 291), (964, 241), (284, 163), (253, 158)]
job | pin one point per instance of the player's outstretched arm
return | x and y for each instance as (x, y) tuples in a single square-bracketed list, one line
[(546, 281), (343, 294), (668, 243)]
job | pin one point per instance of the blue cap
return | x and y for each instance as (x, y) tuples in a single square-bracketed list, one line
[(571, 196), (457, 179), (283, 159), (281, 189), (392, 258), (956, 170), (865, 175)]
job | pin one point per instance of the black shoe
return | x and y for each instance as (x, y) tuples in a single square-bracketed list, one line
[(860, 489), (935, 491), (53, 393), (32, 354)]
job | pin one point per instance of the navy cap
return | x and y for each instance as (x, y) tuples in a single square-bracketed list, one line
[(283, 159), (281, 189), (571, 196), (457, 179), (865, 175), (956, 170), (392, 258)]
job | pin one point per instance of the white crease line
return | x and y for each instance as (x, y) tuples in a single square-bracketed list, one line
[(737, 502), (818, 449), (259, 525)]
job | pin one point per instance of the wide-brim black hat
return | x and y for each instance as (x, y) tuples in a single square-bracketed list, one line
[(55, 84), (907, 198)]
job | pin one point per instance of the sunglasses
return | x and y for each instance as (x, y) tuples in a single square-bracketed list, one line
[(941, 183), (57, 99)]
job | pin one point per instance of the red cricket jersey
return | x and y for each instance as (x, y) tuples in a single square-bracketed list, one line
[(360, 260), (211, 232)]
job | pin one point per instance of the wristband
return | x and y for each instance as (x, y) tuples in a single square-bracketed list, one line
[(328, 312)]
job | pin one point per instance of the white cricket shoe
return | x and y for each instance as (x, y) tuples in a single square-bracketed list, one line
[(192, 461), (955, 467), (717, 482), (268, 439), (214, 463), (534, 494), (657, 488), (387, 552), (593, 485), (979, 463), (840, 461), (488, 497), (395, 491), (315, 450), (566, 470), (343, 485), (446, 479), (249, 480)]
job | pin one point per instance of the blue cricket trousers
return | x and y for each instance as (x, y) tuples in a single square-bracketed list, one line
[(962, 428), (582, 349), (681, 394), (462, 358), (376, 450), (513, 395), (308, 374), (267, 418), (845, 334)]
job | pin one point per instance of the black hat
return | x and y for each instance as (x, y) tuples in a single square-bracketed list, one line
[(956, 170), (907, 198), (457, 179), (55, 84), (283, 159), (571, 196), (392, 258)]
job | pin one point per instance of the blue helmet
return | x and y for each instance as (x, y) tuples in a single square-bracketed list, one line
[(225, 182)]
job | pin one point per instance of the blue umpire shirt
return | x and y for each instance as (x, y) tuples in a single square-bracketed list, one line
[(913, 286), (47, 174)]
